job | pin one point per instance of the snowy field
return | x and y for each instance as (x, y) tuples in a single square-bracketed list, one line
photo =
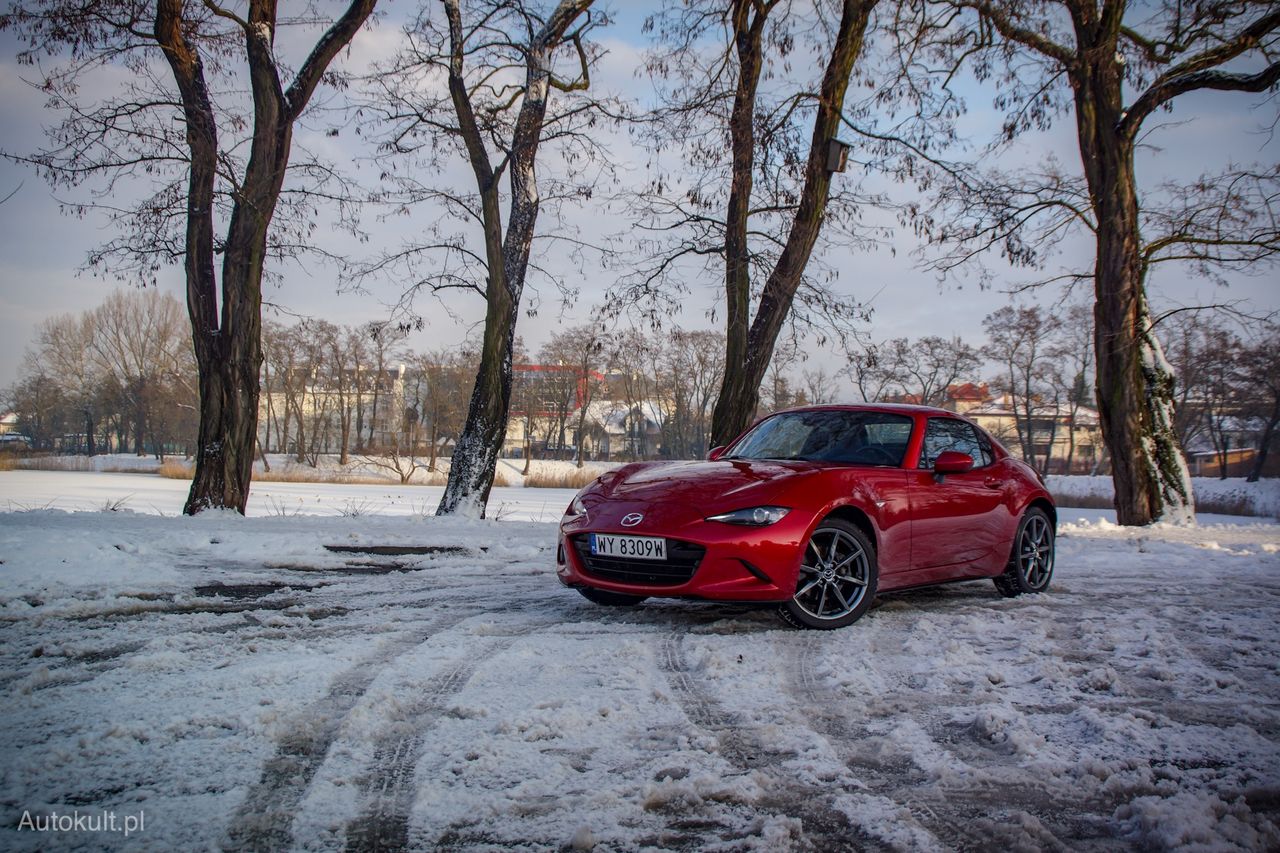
[(228, 683), (147, 493)]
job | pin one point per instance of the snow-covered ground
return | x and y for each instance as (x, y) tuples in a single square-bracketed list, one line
[(225, 682), (1233, 495), (147, 493)]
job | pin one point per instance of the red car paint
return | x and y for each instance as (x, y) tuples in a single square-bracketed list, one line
[(926, 528)]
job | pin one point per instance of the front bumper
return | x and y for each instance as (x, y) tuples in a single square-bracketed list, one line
[(737, 563)]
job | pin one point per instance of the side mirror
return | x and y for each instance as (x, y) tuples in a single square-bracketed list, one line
[(715, 453), (952, 462)]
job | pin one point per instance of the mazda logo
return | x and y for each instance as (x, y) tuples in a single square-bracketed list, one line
[(631, 519)]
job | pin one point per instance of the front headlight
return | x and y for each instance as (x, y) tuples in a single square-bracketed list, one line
[(758, 516), (577, 509)]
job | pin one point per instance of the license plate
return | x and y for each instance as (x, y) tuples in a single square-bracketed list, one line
[(634, 547)]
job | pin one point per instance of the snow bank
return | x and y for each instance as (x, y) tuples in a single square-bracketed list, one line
[(1232, 496)]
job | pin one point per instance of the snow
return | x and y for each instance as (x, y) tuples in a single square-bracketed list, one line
[(236, 685), (147, 493), (1261, 498)]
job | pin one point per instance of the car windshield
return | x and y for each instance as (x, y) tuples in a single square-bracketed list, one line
[(857, 438)]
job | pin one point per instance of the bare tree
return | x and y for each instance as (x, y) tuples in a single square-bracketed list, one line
[(922, 371), (1113, 65), (754, 210), (819, 385), (1071, 368), (439, 397), (689, 369), (1184, 339), (384, 340), (1204, 356), (776, 391), (580, 352), (127, 363), (879, 369), (62, 356), (489, 80), (1258, 375), (171, 130), (930, 366), (346, 357), (1021, 340), (44, 412), (139, 344), (632, 357)]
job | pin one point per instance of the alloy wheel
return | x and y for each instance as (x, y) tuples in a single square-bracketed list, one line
[(1035, 552), (833, 575)]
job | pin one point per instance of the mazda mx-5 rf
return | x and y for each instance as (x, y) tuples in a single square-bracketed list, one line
[(815, 509)]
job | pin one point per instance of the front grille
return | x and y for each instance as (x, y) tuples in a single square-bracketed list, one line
[(682, 561)]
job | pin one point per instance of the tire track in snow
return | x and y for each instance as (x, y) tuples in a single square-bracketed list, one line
[(820, 706), (264, 820), (825, 828), (963, 819), (391, 787)]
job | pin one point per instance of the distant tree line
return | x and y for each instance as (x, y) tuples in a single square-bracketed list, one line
[(1227, 394), (120, 378)]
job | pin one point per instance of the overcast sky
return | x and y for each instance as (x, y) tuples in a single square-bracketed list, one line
[(42, 251)]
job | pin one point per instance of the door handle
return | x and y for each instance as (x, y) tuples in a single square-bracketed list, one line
[(993, 483)]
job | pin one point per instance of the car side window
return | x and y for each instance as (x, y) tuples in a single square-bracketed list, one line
[(944, 434), (984, 446)]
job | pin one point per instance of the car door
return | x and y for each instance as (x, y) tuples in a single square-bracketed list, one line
[(956, 519)]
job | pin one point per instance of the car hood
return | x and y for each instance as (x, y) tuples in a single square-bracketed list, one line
[(724, 483)]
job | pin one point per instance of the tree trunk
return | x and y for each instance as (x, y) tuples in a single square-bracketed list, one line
[(344, 436), (475, 456), (1264, 444), (736, 394), (139, 419), (435, 437), (88, 431), (1071, 441), (228, 348), (300, 443), (747, 357), (1134, 382)]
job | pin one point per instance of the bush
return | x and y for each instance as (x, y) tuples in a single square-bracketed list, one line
[(172, 469), (574, 478)]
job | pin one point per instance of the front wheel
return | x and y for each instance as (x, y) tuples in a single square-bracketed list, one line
[(837, 581), (1031, 563), (609, 599)]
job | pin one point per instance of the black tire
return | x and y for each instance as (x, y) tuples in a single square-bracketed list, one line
[(610, 599), (1031, 561), (836, 587)]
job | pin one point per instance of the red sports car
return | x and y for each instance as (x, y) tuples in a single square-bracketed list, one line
[(817, 509)]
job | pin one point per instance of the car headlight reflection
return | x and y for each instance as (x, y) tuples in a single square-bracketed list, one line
[(577, 509), (757, 516)]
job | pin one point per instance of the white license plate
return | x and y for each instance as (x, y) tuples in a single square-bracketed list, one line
[(635, 547)]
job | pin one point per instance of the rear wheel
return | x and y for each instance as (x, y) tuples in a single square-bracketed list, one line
[(837, 578), (610, 599), (1031, 563)]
